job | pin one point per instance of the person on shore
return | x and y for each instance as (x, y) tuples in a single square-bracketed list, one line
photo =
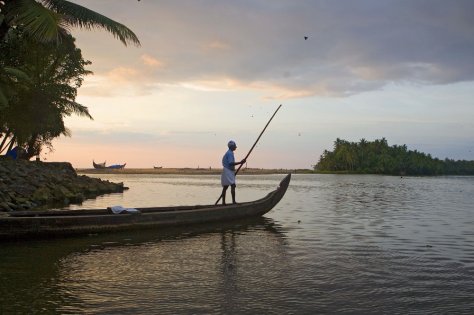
[(228, 171)]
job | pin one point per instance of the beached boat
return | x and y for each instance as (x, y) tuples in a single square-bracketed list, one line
[(117, 166), (98, 165), (104, 166), (32, 224)]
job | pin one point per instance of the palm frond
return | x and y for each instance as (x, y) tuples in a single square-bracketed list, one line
[(79, 16), (66, 132), (7, 76), (16, 73), (78, 109), (40, 22)]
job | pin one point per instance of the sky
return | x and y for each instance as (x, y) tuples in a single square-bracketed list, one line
[(210, 71)]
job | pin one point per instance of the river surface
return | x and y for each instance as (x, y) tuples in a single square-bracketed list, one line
[(344, 244)]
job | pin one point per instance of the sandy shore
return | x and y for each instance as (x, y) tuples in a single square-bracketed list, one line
[(188, 171)]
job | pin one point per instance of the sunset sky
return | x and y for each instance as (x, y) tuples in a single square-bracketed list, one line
[(209, 71)]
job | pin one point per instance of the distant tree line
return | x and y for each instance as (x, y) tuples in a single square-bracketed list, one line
[(377, 157)]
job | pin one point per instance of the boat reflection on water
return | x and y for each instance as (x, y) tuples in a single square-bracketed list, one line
[(204, 269), (229, 269)]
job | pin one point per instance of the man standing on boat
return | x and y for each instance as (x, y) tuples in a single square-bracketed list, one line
[(228, 171)]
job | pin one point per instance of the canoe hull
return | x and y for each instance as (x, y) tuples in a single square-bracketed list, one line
[(67, 222)]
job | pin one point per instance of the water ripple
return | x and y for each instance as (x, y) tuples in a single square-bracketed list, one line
[(335, 244)]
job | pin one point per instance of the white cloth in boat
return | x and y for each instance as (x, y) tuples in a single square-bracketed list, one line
[(227, 177), (120, 210)]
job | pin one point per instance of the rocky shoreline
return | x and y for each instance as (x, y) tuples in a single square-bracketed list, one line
[(31, 185)]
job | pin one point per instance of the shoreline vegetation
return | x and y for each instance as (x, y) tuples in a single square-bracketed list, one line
[(377, 157), (358, 158)]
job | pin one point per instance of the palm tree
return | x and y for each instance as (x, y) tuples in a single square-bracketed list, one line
[(35, 115), (49, 20)]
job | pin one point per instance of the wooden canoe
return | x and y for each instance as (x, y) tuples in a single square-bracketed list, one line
[(51, 223)]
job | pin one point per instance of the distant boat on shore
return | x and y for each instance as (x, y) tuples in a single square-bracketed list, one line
[(157, 167), (117, 166), (103, 165), (98, 165)]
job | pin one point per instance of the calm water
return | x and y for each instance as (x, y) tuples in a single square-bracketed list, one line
[(334, 244)]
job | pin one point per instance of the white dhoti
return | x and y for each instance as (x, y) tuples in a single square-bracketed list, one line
[(227, 177)]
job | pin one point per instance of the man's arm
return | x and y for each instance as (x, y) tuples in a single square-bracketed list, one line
[(239, 163)]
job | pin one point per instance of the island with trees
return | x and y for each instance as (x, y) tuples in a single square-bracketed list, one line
[(377, 157)]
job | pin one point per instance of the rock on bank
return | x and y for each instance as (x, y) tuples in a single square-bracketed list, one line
[(28, 185)]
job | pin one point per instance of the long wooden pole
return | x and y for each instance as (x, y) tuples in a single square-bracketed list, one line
[(251, 149)]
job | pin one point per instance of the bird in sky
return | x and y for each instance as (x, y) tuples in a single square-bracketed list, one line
[(306, 38)]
